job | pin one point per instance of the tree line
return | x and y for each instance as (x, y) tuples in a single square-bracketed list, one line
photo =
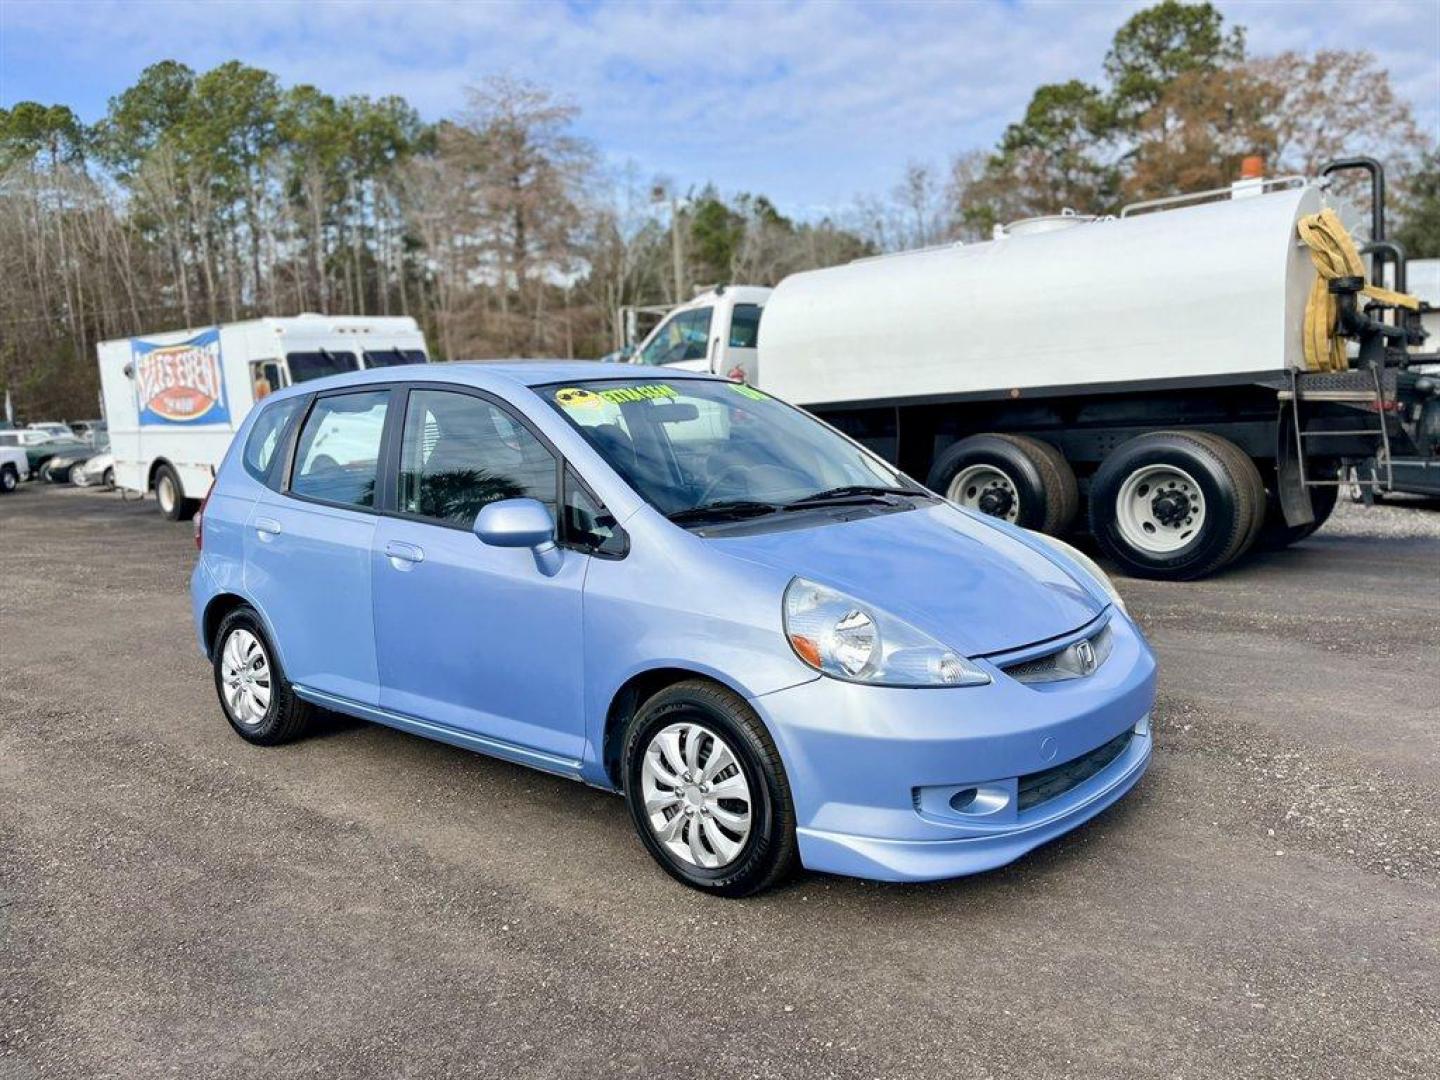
[(204, 197)]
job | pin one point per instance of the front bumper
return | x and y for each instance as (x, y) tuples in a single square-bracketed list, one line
[(876, 773)]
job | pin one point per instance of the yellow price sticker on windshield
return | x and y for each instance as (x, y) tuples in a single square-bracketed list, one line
[(748, 391), (619, 395), (573, 397)]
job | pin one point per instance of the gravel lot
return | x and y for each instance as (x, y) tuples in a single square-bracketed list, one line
[(174, 902)]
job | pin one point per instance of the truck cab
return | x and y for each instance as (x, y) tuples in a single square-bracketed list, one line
[(716, 332)]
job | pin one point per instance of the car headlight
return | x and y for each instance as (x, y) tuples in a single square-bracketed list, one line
[(847, 639), (1089, 566)]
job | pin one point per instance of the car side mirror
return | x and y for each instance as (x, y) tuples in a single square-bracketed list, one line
[(520, 523)]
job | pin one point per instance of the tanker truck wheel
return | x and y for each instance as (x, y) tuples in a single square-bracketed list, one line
[(1176, 505), (1276, 534), (1022, 480)]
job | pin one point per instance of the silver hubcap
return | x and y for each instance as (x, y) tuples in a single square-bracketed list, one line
[(696, 798), (1160, 509), (165, 492), (987, 489), (245, 677)]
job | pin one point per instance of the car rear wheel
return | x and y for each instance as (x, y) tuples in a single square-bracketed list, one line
[(1174, 505), (1013, 477), (9, 479), (254, 693), (707, 791), (108, 479)]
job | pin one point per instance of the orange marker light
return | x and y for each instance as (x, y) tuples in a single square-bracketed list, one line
[(808, 650)]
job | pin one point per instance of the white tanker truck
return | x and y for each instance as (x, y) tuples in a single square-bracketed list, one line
[(1149, 369)]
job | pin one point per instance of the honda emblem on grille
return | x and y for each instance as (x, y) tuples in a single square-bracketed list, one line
[(1085, 653)]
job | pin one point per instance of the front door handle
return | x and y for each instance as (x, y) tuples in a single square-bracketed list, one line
[(267, 528), (403, 556)]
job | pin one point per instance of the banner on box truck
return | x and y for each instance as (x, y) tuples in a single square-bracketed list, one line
[(180, 383)]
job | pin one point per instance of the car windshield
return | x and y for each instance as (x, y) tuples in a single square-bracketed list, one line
[(694, 447)]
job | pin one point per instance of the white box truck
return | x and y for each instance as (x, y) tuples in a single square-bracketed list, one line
[(1148, 370), (173, 400)]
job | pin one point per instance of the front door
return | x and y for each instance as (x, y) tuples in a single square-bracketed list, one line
[(473, 637), (307, 548)]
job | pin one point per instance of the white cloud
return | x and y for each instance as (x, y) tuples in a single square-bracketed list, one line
[(808, 101)]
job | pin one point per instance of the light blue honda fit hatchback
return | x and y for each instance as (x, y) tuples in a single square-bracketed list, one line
[(780, 649)]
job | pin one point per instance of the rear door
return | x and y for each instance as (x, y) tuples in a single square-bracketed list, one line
[(469, 636), (307, 546)]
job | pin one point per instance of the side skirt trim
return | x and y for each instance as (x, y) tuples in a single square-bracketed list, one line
[(466, 740)]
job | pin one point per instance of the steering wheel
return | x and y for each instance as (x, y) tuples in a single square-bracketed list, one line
[(781, 473)]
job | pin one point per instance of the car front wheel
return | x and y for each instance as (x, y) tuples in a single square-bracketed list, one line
[(707, 791)]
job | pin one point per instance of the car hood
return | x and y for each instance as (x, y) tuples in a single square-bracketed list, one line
[(965, 582)]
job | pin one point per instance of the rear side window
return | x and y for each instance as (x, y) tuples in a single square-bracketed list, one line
[(745, 326), (266, 436), (461, 453), (337, 458)]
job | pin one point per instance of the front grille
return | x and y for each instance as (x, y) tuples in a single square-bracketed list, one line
[(1039, 787), (1065, 663)]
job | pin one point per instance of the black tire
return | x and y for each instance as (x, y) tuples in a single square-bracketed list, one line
[(107, 479), (770, 853), (1227, 485), (9, 479), (286, 717), (1045, 494), (1276, 534), (179, 508), (1062, 482), (1243, 466)]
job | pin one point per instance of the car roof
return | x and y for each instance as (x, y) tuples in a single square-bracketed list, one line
[(493, 375)]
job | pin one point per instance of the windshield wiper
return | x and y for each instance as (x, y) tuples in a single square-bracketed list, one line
[(726, 508), (849, 492)]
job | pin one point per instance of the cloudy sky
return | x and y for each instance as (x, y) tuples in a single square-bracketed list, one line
[(809, 102)]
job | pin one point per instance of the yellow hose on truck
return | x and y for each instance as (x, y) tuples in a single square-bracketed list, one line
[(1334, 255)]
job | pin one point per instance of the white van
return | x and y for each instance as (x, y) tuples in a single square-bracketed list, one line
[(173, 400), (715, 332)]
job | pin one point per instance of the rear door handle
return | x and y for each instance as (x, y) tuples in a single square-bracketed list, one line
[(266, 528), (403, 556)]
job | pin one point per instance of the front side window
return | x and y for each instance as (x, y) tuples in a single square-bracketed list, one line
[(587, 524), (693, 444), (684, 337), (337, 459), (265, 435), (745, 326), (461, 452), (265, 378), (305, 366)]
